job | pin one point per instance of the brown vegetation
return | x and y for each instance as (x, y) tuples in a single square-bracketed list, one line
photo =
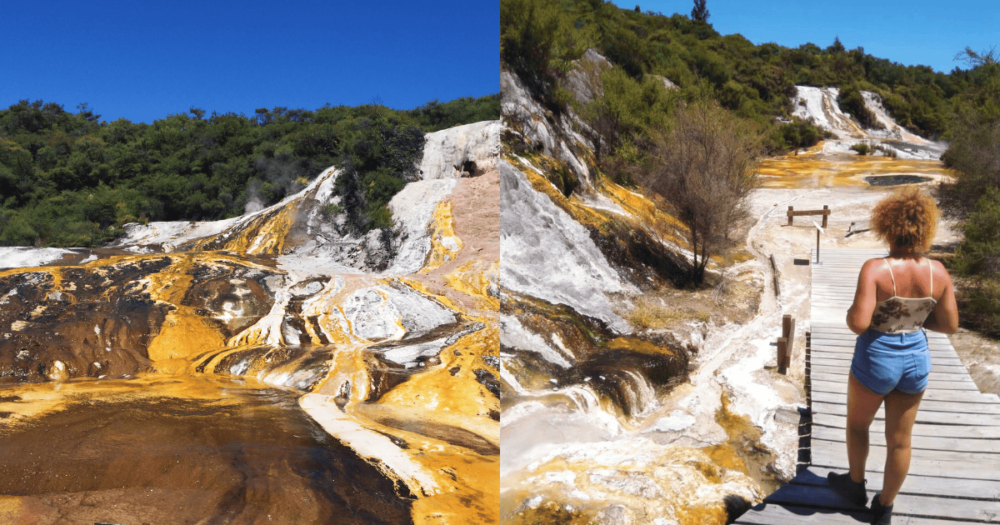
[(704, 168)]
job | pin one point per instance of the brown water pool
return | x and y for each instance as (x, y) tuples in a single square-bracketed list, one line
[(179, 450)]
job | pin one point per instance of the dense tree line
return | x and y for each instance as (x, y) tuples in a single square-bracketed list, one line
[(540, 38), (71, 179)]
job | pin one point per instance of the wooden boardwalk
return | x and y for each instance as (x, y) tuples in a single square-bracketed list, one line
[(955, 467)]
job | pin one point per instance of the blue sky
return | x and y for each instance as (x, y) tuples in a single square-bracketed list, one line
[(144, 60), (910, 32)]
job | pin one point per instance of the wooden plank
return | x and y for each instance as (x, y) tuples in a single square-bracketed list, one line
[(830, 357), (843, 332), (845, 342), (923, 415), (807, 212), (990, 446), (848, 348), (962, 396), (944, 508), (776, 514), (985, 407), (915, 485), (931, 384), (964, 465), (935, 375), (844, 359), (821, 333), (956, 431)]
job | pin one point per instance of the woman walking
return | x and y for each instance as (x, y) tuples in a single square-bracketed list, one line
[(897, 298)]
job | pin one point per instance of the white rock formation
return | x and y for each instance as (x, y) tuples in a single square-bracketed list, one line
[(819, 106), (312, 245), (413, 209), (462, 151), (584, 81), (556, 139), (547, 254), (21, 257)]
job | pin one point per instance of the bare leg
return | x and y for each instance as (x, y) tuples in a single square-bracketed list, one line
[(861, 407), (900, 414)]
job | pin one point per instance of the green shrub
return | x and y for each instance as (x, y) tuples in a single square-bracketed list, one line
[(861, 148)]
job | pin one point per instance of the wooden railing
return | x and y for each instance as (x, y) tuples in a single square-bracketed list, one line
[(825, 212)]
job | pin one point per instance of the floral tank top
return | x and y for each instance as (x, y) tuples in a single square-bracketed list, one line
[(902, 315)]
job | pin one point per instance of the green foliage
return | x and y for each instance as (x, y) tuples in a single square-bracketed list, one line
[(979, 253), (67, 179), (563, 179), (379, 157), (700, 12), (795, 135), (861, 148), (853, 103), (435, 116), (975, 196), (978, 259)]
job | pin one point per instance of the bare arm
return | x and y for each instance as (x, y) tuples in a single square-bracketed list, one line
[(944, 318), (859, 316)]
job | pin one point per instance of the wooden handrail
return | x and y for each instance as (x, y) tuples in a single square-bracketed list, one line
[(825, 212)]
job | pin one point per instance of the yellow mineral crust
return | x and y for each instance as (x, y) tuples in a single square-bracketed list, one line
[(643, 212), (452, 386), (677, 483), (649, 213), (818, 170), (453, 483), (445, 243), (184, 333), (264, 234), (474, 278)]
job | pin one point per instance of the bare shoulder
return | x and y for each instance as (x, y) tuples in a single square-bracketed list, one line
[(940, 272), (872, 266)]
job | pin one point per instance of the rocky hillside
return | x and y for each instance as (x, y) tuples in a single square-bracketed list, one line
[(597, 338), (392, 344), (820, 106)]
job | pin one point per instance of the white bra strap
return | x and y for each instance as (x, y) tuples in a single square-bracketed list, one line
[(887, 265), (931, 266)]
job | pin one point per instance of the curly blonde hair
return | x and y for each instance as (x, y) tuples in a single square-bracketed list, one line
[(907, 218)]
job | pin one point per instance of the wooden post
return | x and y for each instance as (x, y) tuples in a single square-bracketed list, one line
[(790, 216), (782, 355), (786, 343), (817, 243), (774, 269), (790, 338), (826, 213)]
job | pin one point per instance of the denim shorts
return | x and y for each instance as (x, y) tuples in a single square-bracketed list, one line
[(886, 362)]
